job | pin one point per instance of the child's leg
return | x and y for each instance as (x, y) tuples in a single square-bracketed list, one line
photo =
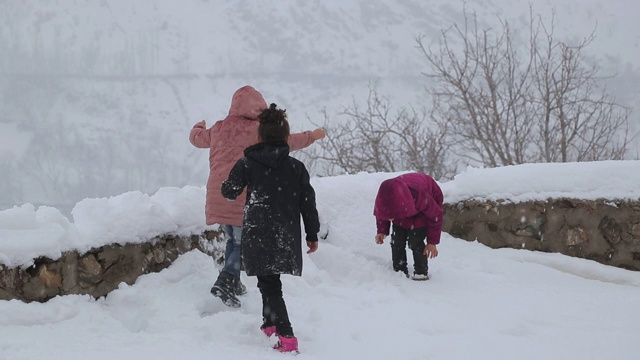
[(416, 244), (274, 310), (233, 235), (232, 256), (398, 249)]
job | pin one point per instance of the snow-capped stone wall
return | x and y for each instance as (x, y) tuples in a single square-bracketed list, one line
[(603, 230), (99, 271), (607, 231)]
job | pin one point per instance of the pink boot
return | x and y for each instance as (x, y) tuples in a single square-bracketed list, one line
[(286, 344), (268, 330)]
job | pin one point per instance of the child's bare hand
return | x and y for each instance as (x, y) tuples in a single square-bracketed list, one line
[(313, 246), (318, 134), (380, 238), (430, 251)]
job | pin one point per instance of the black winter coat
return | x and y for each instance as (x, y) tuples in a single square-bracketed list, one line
[(278, 191)]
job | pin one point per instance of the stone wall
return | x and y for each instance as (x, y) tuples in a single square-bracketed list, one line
[(100, 271), (604, 231), (607, 231)]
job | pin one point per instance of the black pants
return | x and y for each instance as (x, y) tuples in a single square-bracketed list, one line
[(415, 237), (274, 310)]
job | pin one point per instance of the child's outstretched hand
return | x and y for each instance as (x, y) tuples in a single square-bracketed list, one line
[(318, 134), (313, 246), (380, 238)]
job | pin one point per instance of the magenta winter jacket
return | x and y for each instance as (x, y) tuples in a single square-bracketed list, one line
[(226, 141), (412, 200)]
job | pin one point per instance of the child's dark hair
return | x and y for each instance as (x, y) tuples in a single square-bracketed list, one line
[(274, 126)]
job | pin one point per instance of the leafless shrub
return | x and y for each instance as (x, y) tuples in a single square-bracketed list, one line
[(377, 139)]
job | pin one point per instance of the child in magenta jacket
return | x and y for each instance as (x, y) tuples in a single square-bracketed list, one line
[(413, 204)]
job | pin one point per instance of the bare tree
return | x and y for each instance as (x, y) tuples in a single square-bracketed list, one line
[(374, 139), (508, 106), (577, 121)]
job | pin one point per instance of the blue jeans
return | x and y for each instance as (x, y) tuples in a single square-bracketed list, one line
[(233, 235)]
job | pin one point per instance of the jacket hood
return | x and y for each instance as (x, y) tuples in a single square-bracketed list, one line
[(268, 154), (394, 201), (247, 102)]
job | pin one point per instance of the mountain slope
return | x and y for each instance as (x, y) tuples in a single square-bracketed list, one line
[(87, 83)]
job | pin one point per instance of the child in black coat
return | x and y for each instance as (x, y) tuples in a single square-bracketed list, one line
[(278, 192)]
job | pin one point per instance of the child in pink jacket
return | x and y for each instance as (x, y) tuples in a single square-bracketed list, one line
[(226, 141), (413, 203)]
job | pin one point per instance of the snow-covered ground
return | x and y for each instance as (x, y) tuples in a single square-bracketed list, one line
[(479, 304)]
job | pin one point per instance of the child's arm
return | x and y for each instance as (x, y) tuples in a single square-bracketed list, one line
[(308, 207), (383, 230), (434, 229), (434, 214), (429, 202), (199, 135), (383, 226), (233, 186), (302, 140)]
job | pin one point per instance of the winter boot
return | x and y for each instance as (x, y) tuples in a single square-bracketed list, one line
[(268, 330), (239, 287), (286, 344), (223, 288), (419, 277)]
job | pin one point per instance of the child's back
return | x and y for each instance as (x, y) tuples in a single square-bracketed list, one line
[(278, 191)]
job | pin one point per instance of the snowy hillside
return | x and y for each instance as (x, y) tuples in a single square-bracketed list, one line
[(236, 39), (85, 84)]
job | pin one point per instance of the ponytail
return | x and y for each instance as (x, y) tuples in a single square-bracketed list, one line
[(274, 126)]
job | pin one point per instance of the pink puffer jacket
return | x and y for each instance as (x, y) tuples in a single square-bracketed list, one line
[(226, 141)]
